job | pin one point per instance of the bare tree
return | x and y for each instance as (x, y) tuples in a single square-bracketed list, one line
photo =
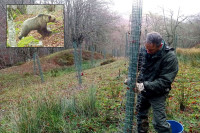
[(172, 24), (89, 22), (191, 31)]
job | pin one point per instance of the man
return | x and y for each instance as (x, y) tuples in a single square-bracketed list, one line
[(157, 68)]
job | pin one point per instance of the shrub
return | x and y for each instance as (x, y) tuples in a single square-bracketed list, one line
[(19, 63), (54, 73), (27, 74), (66, 59), (107, 62)]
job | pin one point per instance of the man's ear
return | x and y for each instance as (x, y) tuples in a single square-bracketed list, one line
[(161, 45)]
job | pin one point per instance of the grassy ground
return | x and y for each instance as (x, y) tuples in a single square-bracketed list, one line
[(25, 101), (60, 105)]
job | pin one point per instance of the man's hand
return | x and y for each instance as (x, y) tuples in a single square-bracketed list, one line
[(127, 81), (139, 87)]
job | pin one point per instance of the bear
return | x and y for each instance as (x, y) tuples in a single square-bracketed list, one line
[(38, 23)]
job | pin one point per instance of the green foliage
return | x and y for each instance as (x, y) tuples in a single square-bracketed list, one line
[(89, 110), (66, 59), (18, 23), (17, 12), (27, 74), (54, 73), (17, 31), (50, 23), (14, 16), (55, 31), (58, 115), (11, 13), (8, 45), (47, 117), (68, 69), (26, 41), (19, 63)]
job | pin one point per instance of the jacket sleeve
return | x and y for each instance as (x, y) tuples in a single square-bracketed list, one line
[(167, 74)]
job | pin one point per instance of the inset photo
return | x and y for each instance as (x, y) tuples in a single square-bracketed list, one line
[(35, 25)]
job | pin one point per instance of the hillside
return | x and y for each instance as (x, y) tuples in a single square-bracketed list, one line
[(61, 87), (61, 105), (53, 61)]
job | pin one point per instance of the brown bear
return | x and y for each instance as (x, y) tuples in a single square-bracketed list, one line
[(38, 23)]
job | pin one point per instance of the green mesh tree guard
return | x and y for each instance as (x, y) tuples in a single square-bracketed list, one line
[(126, 46), (133, 62), (114, 52), (92, 60), (175, 41), (36, 58), (34, 63), (80, 57), (78, 62), (104, 53)]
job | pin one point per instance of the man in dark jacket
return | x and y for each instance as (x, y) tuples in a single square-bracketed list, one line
[(158, 67)]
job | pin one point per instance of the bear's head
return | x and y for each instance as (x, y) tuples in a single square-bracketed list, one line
[(47, 18), (52, 18)]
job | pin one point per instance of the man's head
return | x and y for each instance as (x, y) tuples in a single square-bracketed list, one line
[(153, 42)]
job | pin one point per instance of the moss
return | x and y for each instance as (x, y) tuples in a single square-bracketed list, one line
[(17, 30), (27, 40), (55, 31), (50, 23), (14, 16), (8, 45)]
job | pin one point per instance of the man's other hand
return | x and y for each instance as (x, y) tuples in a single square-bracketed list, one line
[(127, 81), (139, 87)]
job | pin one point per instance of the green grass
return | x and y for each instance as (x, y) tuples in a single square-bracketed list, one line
[(53, 115), (44, 103), (26, 41), (69, 69), (57, 105), (10, 80), (183, 102)]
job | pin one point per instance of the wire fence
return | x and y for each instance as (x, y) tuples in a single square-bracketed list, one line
[(129, 126)]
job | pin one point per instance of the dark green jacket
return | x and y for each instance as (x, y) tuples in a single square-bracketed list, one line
[(157, 71)]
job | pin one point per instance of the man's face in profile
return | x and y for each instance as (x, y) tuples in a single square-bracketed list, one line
[(152, 48)]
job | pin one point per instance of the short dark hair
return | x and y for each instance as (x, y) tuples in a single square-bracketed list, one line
[(154, 38)]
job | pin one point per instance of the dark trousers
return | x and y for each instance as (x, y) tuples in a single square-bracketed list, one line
[(159, 114)]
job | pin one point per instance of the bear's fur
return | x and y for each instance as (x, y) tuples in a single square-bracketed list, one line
[(38, 23)]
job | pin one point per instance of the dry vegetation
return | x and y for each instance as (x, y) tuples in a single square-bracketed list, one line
[(102, 112)]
